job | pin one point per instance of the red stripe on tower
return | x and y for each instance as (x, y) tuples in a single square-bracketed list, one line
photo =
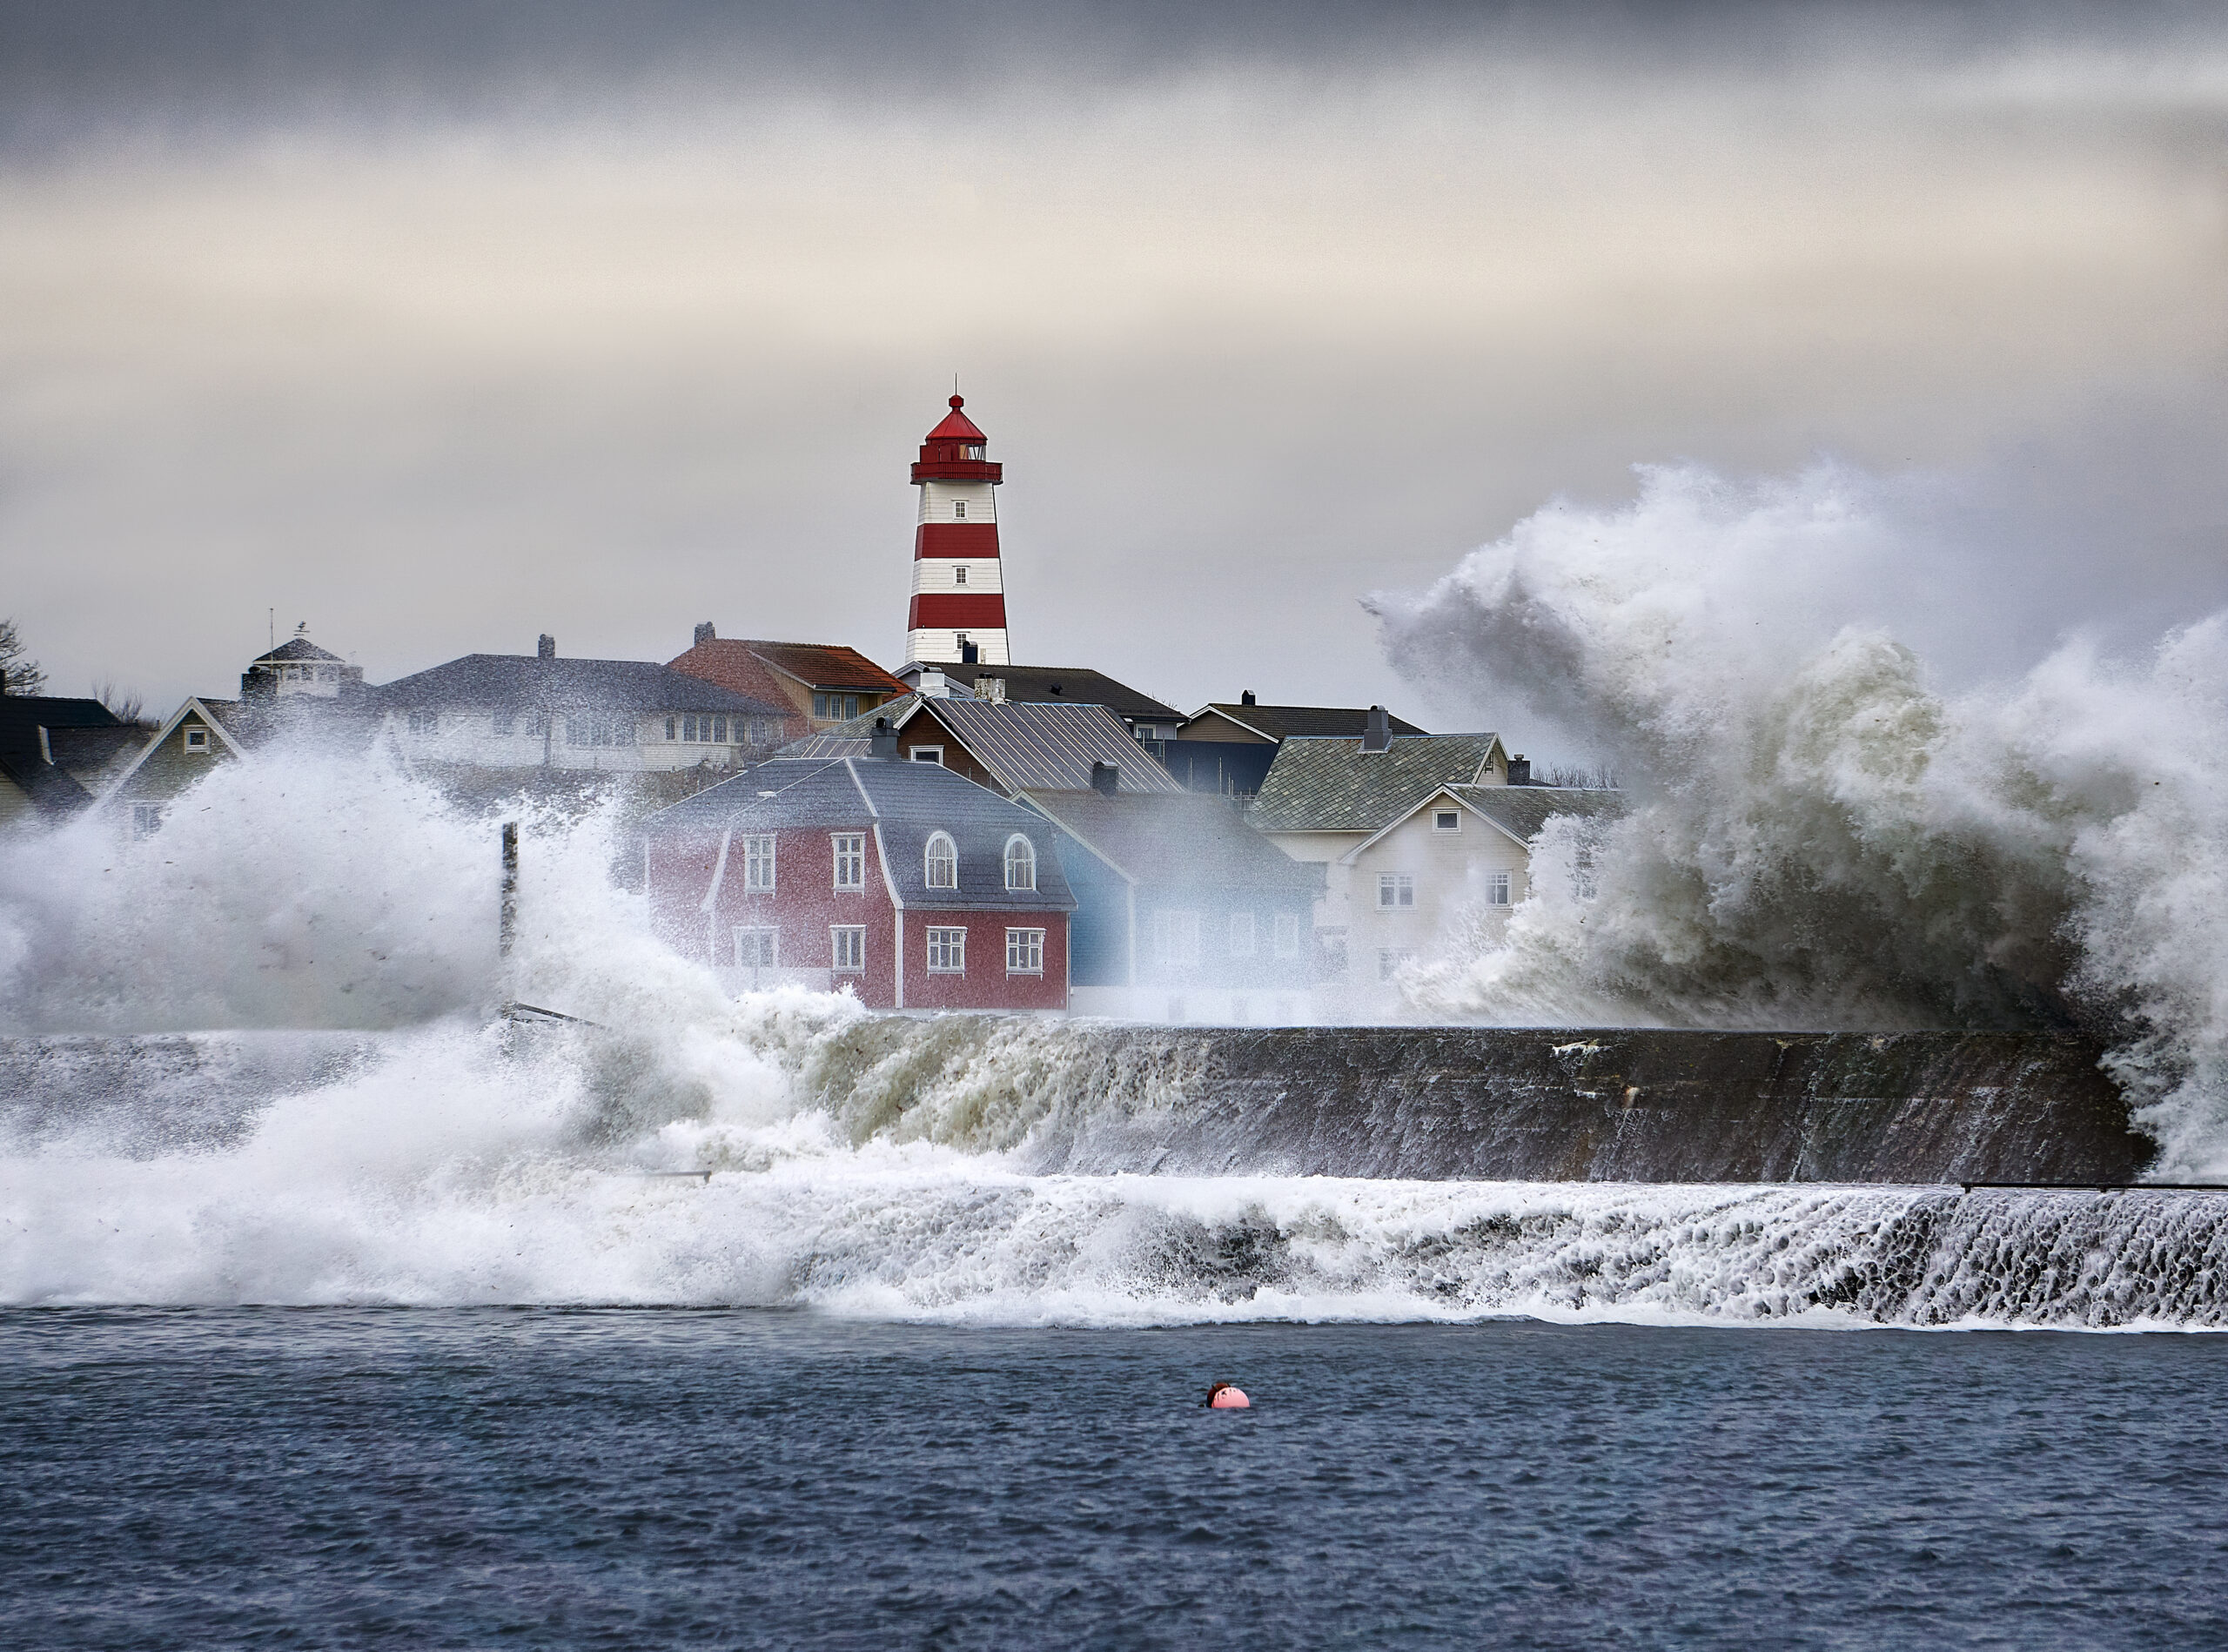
[(958, 612)]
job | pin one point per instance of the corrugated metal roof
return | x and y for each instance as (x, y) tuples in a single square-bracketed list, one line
[(1282, 722), (523, 681), (1026, 748), (909, 802), (1186, 842), (1331, 785)]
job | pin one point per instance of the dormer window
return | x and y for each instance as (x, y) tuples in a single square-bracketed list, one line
[(1020, 863), (942, 862)]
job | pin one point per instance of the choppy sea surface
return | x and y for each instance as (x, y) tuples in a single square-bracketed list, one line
[(391, 1478)]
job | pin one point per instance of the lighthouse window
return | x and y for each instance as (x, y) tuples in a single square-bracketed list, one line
[(958, 510), (959, 575)]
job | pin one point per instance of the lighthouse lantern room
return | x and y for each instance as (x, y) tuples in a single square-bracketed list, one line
[(958, 613)]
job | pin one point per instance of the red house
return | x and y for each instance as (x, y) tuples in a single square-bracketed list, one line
[(915, 888)]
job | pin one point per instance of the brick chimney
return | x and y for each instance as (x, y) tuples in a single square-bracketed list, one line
[(705, 633), (546, 648)]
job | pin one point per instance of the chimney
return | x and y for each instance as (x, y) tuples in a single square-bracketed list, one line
[(546, 648), (932, 685), (1520, 770), (883, 742), (1247, 699), (969, 655), (990, 688), (704, 634), (1378, 737), (1105, 778)]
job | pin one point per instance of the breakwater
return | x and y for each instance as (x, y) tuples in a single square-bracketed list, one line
[(1494, 1103)]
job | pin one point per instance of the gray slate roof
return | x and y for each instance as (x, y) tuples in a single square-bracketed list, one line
[(295, 648), (527, 682), (1523, 810), (1059, 686), (1331, 785), (908, 802), (1282, 722), (1026, 747), (1192, 840)]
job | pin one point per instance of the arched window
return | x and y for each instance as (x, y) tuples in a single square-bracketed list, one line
[(1020, 863), (942, 860)]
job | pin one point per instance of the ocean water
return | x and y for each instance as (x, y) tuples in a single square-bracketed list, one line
[(405, 1478)]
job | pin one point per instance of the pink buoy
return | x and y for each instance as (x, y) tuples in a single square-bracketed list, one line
[(1226, 1396)]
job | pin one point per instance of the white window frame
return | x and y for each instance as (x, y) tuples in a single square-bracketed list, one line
[(1497, 889), (929, 858), (951, 943), (1446, 820), (1024, 951), (958, 510), (198, 741), (1396, 891), (1287, 941), (959, 573), (1242, 935), (760, 850), (1175, 937), (847, 938), (926, 755), (770, 933), (848, 851), (1029, 853)]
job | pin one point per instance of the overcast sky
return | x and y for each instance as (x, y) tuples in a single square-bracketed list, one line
[(441, 326)]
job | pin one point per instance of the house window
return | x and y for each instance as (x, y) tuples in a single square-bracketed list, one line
[(758, 862), (926, 754), (851, 860), (820, 705), (942, 862), (1396, 889), (671, 728), (196, 740), (756, 948), (705, 730), (599, 728), (1175, 937), (1287, 934), (959, 574), (537, 724), (146, 819), (1496, 889), (502, 722), (1024, 951), (1241, 934), (422, 723), (1446, 820), (947, 951), (958, 510), (1389, 960), (847, 948), (1020, 863)]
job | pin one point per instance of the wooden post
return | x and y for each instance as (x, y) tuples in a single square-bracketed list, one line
[(510, 918)]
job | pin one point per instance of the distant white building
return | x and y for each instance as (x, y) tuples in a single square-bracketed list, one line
[(1423, 839), (503, 711), (298, 667)]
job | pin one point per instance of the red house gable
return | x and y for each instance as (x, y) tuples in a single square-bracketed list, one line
[(908, 884)]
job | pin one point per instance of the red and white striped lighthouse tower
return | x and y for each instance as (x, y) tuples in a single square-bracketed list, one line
[(959, 594)]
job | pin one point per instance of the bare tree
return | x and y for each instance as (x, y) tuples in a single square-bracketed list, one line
[(18, 673), (126, 705), (1594, 776)]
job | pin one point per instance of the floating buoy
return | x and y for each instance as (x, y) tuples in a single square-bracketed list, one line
[(1228, 1396)]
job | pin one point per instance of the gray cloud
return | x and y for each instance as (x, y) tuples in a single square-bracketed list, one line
[(438, 329)]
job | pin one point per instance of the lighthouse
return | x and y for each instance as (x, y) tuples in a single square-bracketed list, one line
[(958, 614)]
